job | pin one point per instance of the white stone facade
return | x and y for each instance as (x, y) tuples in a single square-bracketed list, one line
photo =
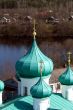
[(1, 98), (67, 92), (41, 104), (25, 85), (56, 87), (19, 87)]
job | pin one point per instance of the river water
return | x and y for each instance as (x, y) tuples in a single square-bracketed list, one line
[(9, 54)]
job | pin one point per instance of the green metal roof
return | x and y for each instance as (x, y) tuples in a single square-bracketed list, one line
[(29, 67), (67, 77), (26, 103), (1, 85), (40, 89)]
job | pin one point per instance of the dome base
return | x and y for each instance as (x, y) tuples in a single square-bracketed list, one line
[(26, 85), (41, 104)]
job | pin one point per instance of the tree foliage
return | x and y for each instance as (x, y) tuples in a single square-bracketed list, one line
[(8, 3), (34, 3)]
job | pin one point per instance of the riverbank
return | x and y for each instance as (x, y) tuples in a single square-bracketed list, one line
[(18, 24)]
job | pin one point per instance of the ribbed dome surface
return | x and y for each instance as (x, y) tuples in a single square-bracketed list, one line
[(1, 85), (41, 89), (67, 77), (29, 65)]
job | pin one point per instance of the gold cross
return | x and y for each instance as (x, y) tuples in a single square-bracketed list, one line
[(34, 25), (69, 58), (34, 30), (41, 66)]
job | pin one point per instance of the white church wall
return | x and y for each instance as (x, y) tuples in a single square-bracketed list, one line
[(19, 88), (0, 98), (56, 87), (67, 92), (53, 87), (41, 104), (63, 91), (70, 94), (28, 83)]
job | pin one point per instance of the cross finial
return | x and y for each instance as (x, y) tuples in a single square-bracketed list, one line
[(69, 58), (41, 67), (34, 30)]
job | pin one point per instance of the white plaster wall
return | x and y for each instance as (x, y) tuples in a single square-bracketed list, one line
[(63, 87), (67, 92), (19, 88), (70, 94), (54, 87), (0, 98), (41, 104), (25, 82)]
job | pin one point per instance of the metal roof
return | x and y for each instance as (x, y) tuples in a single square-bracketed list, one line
[(26, 103)]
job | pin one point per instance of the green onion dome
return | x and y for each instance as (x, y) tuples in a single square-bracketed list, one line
[(41, 89), (1, 85), (28, 66), (67, 77)]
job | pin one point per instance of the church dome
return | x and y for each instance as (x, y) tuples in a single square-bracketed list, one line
[(41, 89), (28, 66), (67, 77), (1, 85)]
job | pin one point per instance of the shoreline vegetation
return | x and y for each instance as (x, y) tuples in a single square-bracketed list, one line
[(19, 25), (54, 19)]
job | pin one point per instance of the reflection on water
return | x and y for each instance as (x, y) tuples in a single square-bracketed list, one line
[(8, 57)]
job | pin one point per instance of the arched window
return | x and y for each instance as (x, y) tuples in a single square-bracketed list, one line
[(51, 87), (25, 91), (58, 86)]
